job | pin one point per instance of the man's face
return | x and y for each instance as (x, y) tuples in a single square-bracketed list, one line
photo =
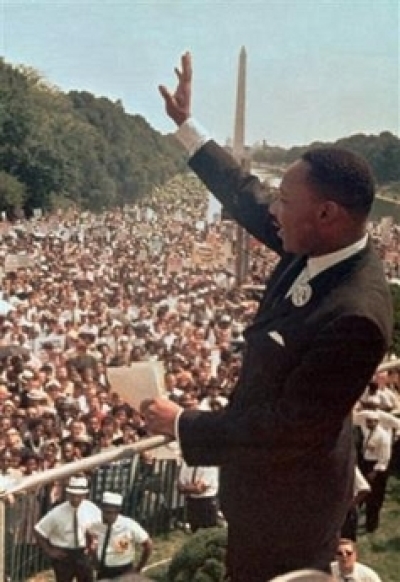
[(297, 210), (109, 513), (346, 556), (75, 500)]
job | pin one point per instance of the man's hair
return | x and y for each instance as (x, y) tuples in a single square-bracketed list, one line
[(343, 177), (347, 541)]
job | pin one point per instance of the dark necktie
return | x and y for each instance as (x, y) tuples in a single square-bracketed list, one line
[(105, 546), (75, 527), (286, 279), (366, 441)]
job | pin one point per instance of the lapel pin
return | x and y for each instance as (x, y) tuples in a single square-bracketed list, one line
[(301, 294)]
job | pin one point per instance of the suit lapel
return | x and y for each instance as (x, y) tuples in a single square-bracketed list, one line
[(275, 305)]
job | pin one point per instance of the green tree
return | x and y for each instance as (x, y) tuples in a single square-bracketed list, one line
[(12, 192)]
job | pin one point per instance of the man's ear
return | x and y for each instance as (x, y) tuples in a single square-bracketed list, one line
[(329, 211)]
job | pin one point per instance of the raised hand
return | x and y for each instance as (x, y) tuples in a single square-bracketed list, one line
[(177, 105)]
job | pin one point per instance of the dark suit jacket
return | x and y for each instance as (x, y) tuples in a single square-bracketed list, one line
[(284, 443)]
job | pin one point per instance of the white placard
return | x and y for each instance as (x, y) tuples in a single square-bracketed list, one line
[(136, 382)]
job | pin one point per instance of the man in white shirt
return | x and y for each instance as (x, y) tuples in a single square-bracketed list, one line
[(374, 462), (347, 569), (199, 485), (114, 538), (61, 533), (361, 490)]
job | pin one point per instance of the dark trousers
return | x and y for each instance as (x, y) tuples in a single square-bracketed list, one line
[(259, 562), (350, 526), (75, 565), (374, 501), (114, 571), (201, 512)]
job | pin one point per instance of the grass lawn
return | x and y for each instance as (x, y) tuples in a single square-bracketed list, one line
[(380, 550)]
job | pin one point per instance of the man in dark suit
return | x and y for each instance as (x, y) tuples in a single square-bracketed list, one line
[(284, 443)]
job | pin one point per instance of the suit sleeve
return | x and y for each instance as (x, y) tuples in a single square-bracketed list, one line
[(315, 398), (239, 192)]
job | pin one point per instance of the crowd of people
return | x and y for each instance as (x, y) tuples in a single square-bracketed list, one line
[(97, 292)]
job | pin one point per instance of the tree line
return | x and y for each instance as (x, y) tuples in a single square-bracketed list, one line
[(382, 152), (59, 149)]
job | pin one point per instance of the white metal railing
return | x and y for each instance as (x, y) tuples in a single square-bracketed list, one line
[(115, 454)]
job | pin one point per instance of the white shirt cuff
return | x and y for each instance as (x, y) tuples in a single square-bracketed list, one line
[(192, 135), (176, 427)]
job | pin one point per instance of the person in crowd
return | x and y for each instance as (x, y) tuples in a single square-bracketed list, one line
[(361, 491), (326, 314), (374, 463), (113, 539), (199, 485), (61, 533), (347, 569), (213, 396)]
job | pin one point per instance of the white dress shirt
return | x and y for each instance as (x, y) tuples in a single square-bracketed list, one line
[(360, 573), (125, 533), (57, 525), (377, 447), (208, 475)]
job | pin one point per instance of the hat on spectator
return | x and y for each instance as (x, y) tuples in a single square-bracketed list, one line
[(225, 319), (26, 375), (114, 499), (372, 415), (37, 395), (9, 403), (83, 438), (52, 384), (77, 485)]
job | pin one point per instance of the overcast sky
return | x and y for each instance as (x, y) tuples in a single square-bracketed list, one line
[(316, 69)]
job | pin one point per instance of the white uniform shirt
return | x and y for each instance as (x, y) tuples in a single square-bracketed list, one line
[(209, 475), (125, 533), (377, 447), (57, 524), (360, 573)]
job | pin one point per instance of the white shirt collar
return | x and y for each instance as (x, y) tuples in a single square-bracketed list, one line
[(315, 265)]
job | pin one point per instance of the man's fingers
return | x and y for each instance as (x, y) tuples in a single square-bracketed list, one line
[(186, 61), (165, 93), (145, 404)]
